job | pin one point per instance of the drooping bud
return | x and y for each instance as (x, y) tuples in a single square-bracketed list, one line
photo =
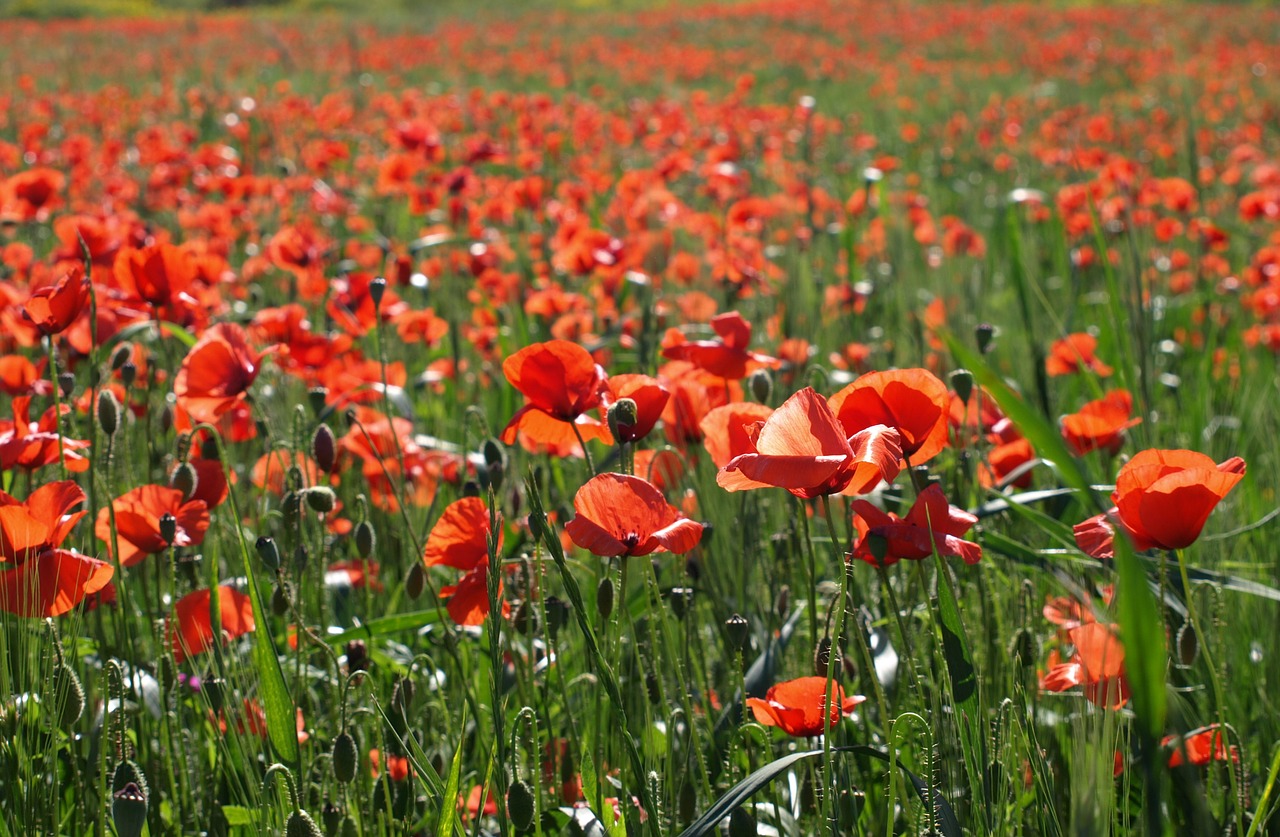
[(604, 597), (416, 581), (520, 807), (300, 824), (122, 355), (321, 498), (366, 539), (68, 696), (268, 552), (324, 448), (281, 598), (185, 479), (66, 384), (622, 415)]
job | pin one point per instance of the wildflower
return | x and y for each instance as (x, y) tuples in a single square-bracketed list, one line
[(55, 307), (216, 374), (1100, 425), (796, 706), (931, 524), (1097, 665), (561, 382), (914, 402), (1075, 353), (616, 515), (192, 632)]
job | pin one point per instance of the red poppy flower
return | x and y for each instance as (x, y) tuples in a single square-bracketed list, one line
[(727, 357), (726, 429), (139, 515), (694, 393), (616, 514), (802, 447), (932, 523), (460, 539), (19, 376), (561, 382), (1003, 461), (158, 274), (345, 575), (33, 444), (1100, 425), (1075, 353), (36, 577), (254, 721), (1201, 746), (397, 766), (1162, 500), (30, 195), (216, 374), (55, 307), (193, 631), (1097, 665), (650, 398), (912, 401), (796, 706)]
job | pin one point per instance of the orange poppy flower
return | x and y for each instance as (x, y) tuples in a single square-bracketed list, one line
[(1202, 746), (55, 307), (158, 274), (726, 429), (1100, 425), (561, 382), (192, 633), (1162, 500), (650, 397), (216, 374), (460, 539), (932, 523), (727, 357), (796, 706), (33, 444), (802, 447), (1003, 461), (139, 520), (19, 376), (1097, 665), (1075, 353), (36, 577), (617, 515), (694, 393), (912, 401)]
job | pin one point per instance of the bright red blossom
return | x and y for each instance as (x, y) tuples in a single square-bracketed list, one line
[(931, 524), (796, 706), (617, 514)]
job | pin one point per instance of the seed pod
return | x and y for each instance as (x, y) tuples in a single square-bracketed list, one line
[(366, 539), (401, 702), (185, 479), (346, 756), (737, 627), (1023, 648), (68, 696), (108, 412), (316, 397), (168, 527), (557, 615), (330, 817), (604, 597), (66, 384), (300, 824), (324, 448), (377, 288), (495, 463), (268, 552), (416, 581), (471, 488), (760, 382), (520, 805), (321, 499), (984, 334), (1187, 644), (128, 799), (215, 691), (681, 601), (962, 383), (281, 598), (357, 655)]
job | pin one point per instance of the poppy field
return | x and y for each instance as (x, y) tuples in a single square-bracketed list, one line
[(784, 417)]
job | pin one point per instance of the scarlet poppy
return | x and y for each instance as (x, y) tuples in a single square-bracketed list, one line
[(796, 706), (617, 515), (140, 517), (55, 307), (726, 429), (1162, 500), (912, 401), (1003, 461), (33, 444), (1075, 353), (19, 376), (36, 577), (561, 382), (158, 274), (694, 393), (1097, 665), (727, 357), (650, 398), (1100, 425), (216, 374), (802, 447), (1201, 746), (192, 632), (460, 539), (931, 524), (397, 766)]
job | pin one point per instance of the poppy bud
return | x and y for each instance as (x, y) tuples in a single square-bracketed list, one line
[(742, 824), (520, 805), (681, 601), (300, 824), (185, 479), (522, 621), (557, 615), (737, 627), (210, 449), (168, 528), (357, 655), (324, 448), (366, 539), (68, 696), (293, 478), (268, 552), (215, 691), (687, 802), (1187, 644), (128, 800), (316, 397), (128, 374), (300, 557), (984, 334), (401, 703), (962, 383), (331, 817), (346, 755), (121, 356), (166, 418), (760, 382), (878, 546), (377, 289), (604, 597), (416, 581), (822, 657), (622, 416), (66, 384), (1023, 648), (108, 412), (321, 499), (495, 463), (537, 523), (471, 488), (352, 417), (281, 598)]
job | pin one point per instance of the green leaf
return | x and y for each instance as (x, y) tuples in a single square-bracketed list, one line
[(963, 679), (174, 330), (449, 805), (385, 626), (235, 815)]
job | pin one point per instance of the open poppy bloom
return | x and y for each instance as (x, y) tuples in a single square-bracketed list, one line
[(650, 398), (55, 307), (158, 274), (460, 539), (726, 429), (216, 374), (796, 706), (911, 401), (1097, 665), (141, 522), (397, 766), (192, 631), (1075, 353), (561, 381), (727, 357), (1100, 425), (1162, 500), (932, 524), (803, 448), (616, 515), (36, 577), (19, 376), (694, 394), (1201, 746), (33, 444)]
